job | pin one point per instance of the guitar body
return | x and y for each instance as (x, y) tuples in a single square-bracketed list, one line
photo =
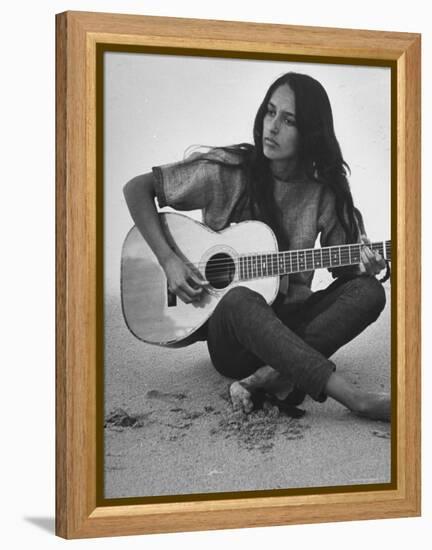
[(156, 316)]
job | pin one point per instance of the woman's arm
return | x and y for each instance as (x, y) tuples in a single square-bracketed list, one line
[(332, 234), (139, 193)]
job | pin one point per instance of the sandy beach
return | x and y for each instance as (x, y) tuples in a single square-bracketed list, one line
[(170, 428)]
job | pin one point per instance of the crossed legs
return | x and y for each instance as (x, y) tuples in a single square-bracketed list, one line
[(274, 349)]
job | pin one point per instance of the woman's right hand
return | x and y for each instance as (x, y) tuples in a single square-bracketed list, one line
[(183, 281)]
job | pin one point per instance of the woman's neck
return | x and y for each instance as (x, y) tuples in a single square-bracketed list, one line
[(284, 170)]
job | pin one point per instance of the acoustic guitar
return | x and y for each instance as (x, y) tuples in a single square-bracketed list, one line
[(243, 254)]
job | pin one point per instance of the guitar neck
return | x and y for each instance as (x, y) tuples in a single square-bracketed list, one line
[(252, 266)]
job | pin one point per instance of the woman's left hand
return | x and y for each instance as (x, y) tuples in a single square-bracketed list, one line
[(371, 261)]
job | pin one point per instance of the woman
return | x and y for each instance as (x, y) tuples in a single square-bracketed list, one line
[(294, 179)]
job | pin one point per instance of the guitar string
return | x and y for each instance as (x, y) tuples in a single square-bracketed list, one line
[(312, 251), (278, 256), (255, 271), (223, 266)]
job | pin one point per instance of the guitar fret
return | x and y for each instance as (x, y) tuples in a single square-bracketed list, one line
[(309, 259), (344, 255), (301, 260), (355, 253), (317, 258), (294, 261), (253, 266), (288, 261), (281, 264), (334, 256), (275, 264), (325, 254)]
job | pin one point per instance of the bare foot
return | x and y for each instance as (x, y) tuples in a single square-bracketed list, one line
[(241, 398), (376, 406)]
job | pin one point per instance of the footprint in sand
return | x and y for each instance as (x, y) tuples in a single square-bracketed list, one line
[(163, 396), (380, 434), (119, 419)]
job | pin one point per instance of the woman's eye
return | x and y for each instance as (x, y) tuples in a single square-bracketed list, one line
[(270, 112), (289, 121)]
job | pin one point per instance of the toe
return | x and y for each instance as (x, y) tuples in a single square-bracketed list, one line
[(240, 398)]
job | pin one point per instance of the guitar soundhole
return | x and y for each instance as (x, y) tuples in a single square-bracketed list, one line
[(220, 270)]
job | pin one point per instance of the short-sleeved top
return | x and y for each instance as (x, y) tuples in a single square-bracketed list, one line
[(219, 189)]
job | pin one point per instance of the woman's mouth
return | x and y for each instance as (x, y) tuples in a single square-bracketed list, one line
[(271, 142)]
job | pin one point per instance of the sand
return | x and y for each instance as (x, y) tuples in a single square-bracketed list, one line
[(170, 428)]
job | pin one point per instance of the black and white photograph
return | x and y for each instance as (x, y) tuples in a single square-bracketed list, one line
[(215, 281), (247, 275)]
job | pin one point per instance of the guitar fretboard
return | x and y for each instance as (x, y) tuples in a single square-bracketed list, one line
[(253, 266)]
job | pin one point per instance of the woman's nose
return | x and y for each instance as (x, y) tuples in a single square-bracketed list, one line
[(274, 126)]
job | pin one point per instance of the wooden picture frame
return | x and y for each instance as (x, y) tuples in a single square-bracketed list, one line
[(81, 38)]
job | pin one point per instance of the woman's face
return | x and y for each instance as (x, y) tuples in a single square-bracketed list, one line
[(280, 134)]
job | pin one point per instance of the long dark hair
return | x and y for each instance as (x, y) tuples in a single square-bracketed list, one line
[(319, 154)]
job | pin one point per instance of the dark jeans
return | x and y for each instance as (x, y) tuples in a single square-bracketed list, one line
[(245, 333)]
